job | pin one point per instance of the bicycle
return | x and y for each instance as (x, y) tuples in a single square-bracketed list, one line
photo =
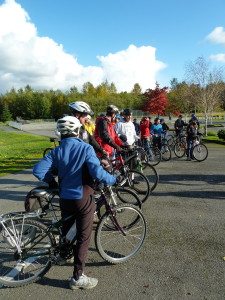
[(47, 150), (153, 158), (132, 179), (28, 247), (198, 150), (133, 157)]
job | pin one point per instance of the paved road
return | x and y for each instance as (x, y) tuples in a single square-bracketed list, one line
[(182, 255)]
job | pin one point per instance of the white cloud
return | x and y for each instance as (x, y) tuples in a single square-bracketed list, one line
[(26, 58), (217, 36), (218, 57)]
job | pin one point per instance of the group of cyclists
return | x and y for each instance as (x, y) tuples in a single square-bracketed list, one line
[(76, 164)]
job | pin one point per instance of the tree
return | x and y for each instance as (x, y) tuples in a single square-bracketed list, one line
[(5, 115), (155, 100), (208, 85), (136, 89)]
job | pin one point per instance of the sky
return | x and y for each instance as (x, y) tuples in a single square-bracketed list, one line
[(52, 44)]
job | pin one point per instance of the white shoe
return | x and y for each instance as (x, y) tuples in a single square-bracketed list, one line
[(83, 282)]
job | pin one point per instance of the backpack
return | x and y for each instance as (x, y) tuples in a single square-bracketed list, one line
[(39, 199)]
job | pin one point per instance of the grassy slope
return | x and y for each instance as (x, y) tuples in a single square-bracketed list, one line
[(20, 151)]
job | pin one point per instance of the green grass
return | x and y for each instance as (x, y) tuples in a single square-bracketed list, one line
[(20, 151)]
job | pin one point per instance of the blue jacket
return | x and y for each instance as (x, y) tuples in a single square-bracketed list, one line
[(156, 129), (69, 160)]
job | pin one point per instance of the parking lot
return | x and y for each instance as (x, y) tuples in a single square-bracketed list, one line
[(182, 257)]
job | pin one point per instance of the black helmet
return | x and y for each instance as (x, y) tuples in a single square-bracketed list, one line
[(112, 109), (127, 112)]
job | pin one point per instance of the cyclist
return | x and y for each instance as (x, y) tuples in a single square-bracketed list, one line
[(192, 132), (145, 135), (136, 126), (179, 125), (126, 128), (81, 110), (165, 127), (89, 125), (77, 165), (156, 131), (105, 133)]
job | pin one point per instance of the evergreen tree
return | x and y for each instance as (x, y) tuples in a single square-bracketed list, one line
[(5, 115)]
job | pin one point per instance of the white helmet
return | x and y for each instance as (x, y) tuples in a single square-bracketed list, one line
[(68, 125), (82, 107)]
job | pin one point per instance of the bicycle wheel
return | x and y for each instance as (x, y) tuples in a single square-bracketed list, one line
[(151, 174), (142, 154), (170, 141), (166, 152), (128, 196), (156, 156), (46, 151), (138, 183), (124, 237), (25, 252), (179, 149), (200, 152)]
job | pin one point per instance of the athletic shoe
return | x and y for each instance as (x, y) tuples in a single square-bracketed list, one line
[(83, 282), (188, 158)]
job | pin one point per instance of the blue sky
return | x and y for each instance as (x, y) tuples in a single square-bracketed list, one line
[(58, 44)]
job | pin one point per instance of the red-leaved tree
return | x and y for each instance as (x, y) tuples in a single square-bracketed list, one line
[(155, 101)]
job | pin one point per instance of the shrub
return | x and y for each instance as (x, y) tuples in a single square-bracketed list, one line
[(221, 134), (212, 133)]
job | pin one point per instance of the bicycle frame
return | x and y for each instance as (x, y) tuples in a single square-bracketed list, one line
[(16, 238)]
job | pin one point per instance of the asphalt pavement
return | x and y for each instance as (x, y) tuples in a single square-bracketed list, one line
[(182, 257)]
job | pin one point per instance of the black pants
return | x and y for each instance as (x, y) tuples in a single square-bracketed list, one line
[(84, 212)]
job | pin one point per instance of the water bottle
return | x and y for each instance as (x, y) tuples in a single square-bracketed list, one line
[(72, 232)]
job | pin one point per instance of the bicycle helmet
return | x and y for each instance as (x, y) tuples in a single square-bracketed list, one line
[(112, 109), (162, 120), (68, 125), (127, 112), (81, 107)]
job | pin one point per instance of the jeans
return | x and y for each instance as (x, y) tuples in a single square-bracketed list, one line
[(84, 213), (146, 145), (189, 146)]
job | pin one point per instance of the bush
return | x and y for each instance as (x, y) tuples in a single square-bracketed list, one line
[(221, 134), (212, 133)]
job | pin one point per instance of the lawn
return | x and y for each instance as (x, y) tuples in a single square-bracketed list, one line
[(20, 151)]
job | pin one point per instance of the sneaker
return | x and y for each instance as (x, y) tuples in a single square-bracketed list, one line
[(60, 261), (188, 159), (83, 282)]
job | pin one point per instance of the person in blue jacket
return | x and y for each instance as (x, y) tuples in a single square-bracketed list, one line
[(156, 131), (77, 166)]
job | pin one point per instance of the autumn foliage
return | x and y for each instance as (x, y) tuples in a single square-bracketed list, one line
[(155, 101)]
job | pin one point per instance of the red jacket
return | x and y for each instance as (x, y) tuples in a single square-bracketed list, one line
[(144, 129), (106, 136)]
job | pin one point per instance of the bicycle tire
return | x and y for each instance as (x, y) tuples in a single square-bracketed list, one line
[(156, 157), (128, 196), (112, 245), (170, 141), (180, 149), (19, 270), (200, 152), (136, 181), (142, 154), (46, 151), (150, 172), (166, 152)]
